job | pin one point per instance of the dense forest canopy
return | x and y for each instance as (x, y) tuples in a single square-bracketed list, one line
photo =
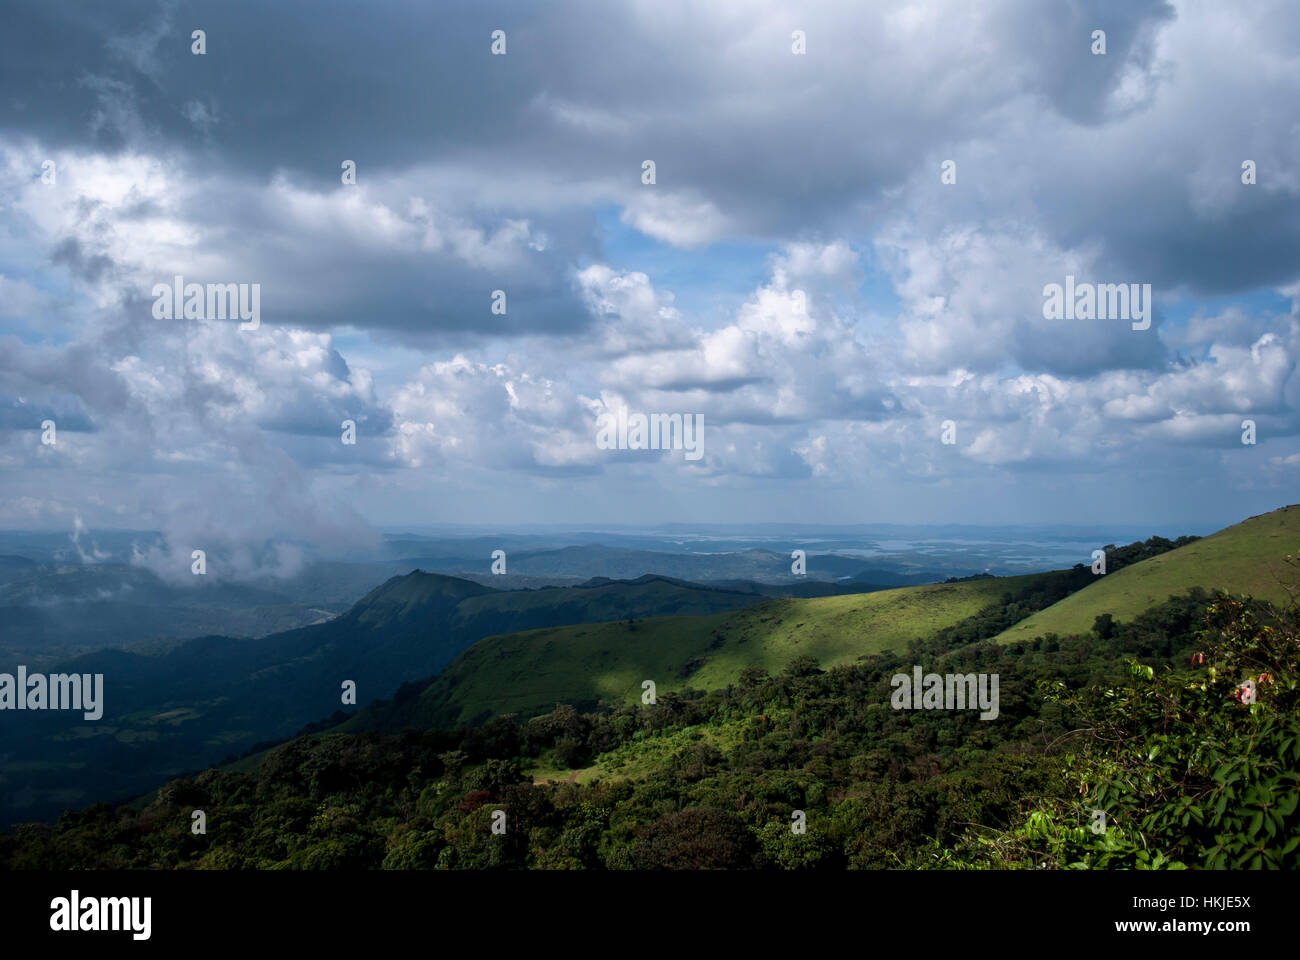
[(1172, 740)]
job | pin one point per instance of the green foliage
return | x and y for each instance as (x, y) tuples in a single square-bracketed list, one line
[(1137, 719), (584, 664), (697, 838), (1187, 772), (785, 849)]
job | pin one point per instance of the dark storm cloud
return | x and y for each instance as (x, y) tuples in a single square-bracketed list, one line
[(1062, 67), (724, 108), (478, 173), (775, 145)]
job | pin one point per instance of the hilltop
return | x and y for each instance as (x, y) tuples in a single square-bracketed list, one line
[(1246, 558), (215, 697), (529, 672)]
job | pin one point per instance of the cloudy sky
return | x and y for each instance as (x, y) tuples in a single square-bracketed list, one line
[(798, 274)]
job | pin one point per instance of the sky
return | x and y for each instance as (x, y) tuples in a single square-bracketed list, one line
[(843, 251)]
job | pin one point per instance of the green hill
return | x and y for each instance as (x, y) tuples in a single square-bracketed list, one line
[(214, 696), (637, 787), (528, 672), (1245, 558)]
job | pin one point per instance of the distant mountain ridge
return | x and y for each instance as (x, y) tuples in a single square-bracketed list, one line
[(530, 672), (52, 611), (521, 651), (750, 564), (214, 696)]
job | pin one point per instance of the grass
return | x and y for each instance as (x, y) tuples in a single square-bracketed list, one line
[(638, 758), (1246, 558), (529, 672), (549, 770)]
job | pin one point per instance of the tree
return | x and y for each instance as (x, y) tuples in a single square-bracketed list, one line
[(697, 838), (1180, 768)]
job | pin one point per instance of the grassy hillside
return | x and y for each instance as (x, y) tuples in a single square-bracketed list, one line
[(1192, 775), (1244, 558), (711, 782), (214, 696), (528, 672)]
